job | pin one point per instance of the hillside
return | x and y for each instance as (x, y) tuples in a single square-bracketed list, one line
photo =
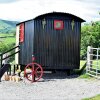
[(7, 26)]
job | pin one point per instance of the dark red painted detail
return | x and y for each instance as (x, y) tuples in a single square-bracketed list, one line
[(21, 32), (35, 72), (58, 24)]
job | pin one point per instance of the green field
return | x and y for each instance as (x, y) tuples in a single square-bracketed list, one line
[(6, 43), (1, 35), (93, 98), (9, 41)]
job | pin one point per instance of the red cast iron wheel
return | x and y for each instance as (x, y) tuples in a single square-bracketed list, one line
[(34, 73)]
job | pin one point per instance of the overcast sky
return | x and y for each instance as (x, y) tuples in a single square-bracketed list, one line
[(20, 10)]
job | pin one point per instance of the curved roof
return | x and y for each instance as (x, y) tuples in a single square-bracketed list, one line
[(59, 14), (56, 14)]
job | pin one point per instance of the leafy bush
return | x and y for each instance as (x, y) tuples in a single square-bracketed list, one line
[(90, 36)]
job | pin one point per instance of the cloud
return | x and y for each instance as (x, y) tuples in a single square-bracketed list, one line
[(8, 1), (28, 9)]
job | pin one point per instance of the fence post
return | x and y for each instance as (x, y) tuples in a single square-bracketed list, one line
[(14, 70), (97, 62), (1, 60), (89, 57)]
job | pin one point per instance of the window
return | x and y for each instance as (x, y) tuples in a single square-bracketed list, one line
[(58, 24)]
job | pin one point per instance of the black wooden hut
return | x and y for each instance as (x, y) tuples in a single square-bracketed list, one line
[(53, 38)]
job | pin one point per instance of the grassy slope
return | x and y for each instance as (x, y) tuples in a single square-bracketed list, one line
[(7, 26)]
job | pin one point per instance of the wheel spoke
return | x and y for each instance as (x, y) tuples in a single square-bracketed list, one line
[(33, 73), (29, 75)]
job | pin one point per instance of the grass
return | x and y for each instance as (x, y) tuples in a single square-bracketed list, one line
[(6, 43), (10, 40), (1, 34), (95, 62), (82, 62), (83, 74), (93, 98)]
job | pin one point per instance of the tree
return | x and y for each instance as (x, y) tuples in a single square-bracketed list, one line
[(90, 36)]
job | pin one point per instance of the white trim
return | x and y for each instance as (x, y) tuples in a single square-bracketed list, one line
[(17, 43)]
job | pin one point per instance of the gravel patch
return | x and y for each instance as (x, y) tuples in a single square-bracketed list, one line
[(51, 87)]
